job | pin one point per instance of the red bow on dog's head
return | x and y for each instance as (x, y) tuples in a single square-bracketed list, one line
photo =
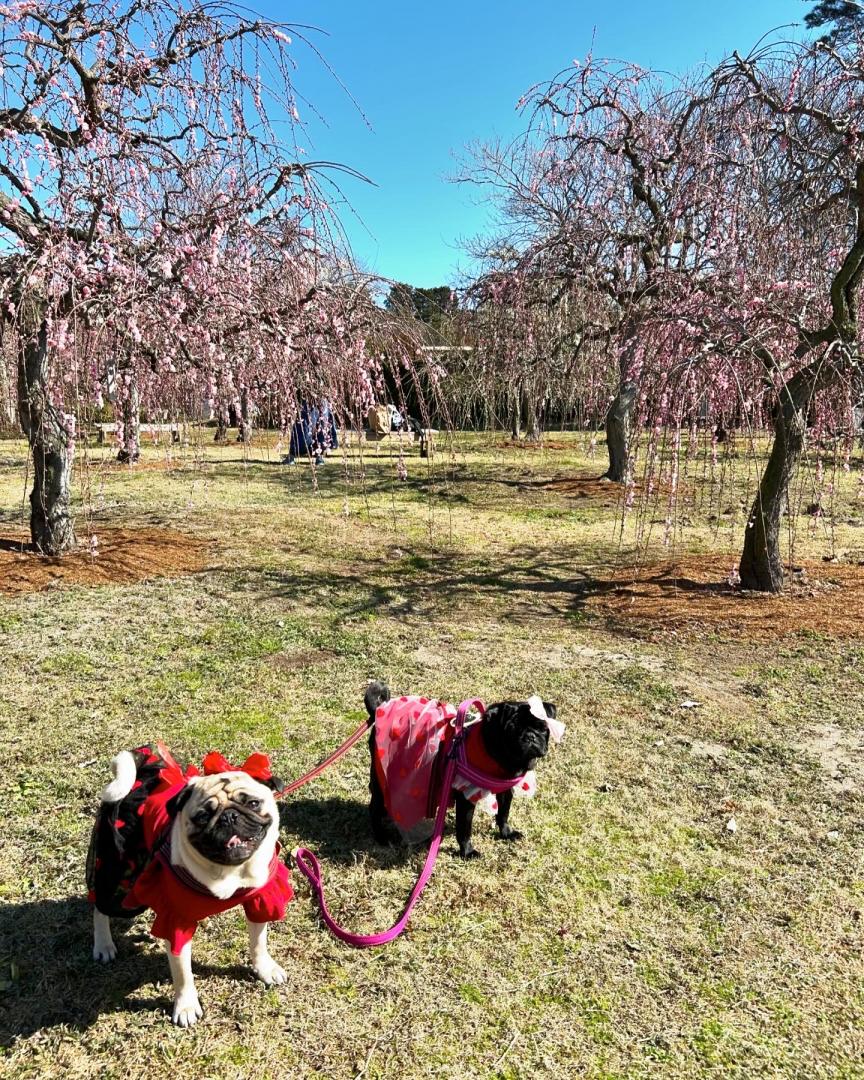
[(256, 765)]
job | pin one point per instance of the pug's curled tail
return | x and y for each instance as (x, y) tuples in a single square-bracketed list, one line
[(376, 694), (124, 772)]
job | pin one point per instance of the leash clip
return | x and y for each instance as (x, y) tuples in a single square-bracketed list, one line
[(473, 716)]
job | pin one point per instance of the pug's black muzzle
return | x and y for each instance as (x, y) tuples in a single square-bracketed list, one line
[(233, 837), (531, 747)]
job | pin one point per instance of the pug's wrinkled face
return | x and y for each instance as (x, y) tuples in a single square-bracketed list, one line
[(514, 736), (227, 816)]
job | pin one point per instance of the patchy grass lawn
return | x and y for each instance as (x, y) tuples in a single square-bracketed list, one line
[(632, 933)]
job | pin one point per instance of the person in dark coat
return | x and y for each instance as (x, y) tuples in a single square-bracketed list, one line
[(306, 439)]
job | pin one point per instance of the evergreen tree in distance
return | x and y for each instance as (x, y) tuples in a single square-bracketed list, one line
[(429, 305), (845, 17)]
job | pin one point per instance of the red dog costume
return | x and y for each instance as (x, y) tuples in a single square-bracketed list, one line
[(129, 863)]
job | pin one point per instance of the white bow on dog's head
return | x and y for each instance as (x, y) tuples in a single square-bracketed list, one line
[(556, 728)]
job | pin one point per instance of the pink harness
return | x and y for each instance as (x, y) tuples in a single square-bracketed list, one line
[(456, 765)]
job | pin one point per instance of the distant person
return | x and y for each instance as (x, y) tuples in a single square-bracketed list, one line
[(327, 437), (384, 419), (304, 437), (313, 433), (397, 420), (378, 419)]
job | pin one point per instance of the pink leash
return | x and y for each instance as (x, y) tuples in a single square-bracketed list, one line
[(308, 864), (337, 753)]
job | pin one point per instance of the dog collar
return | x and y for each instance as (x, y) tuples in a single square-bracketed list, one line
[(163, 854)]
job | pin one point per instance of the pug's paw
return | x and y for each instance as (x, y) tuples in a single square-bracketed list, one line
[(105, 952), (187, 1010), (510, 834), (270, 973)]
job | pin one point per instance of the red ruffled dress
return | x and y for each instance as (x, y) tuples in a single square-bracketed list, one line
[(129, 866)]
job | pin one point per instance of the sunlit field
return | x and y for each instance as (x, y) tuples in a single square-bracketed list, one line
[(687, 897)]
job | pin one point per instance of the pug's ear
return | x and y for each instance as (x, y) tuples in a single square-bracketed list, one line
[(178, 801), (275, 784), (525, 714), (551, 709), (494, 714)]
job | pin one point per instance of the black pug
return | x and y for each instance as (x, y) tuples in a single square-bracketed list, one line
[(513, 736)]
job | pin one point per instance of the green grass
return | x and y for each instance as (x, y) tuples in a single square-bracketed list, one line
[(630, 934)]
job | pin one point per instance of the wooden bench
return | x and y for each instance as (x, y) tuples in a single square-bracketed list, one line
[(404, 438), (396, 436)]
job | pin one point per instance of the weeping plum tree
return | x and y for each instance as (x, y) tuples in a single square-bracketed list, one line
[(750, 192), (526, 330), (156, 228), (742, 244), (722, 227), (535, 317), (642, 214), (604, 199), (796, 162), (114, 119)]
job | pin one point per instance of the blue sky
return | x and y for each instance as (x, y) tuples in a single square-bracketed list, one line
[(433, 78)]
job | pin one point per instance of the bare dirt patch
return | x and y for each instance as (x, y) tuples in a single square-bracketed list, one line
[(840, 755), (119, 556), (694, 595), (600, 489), (285, 661), (585, 487), (597, 488)]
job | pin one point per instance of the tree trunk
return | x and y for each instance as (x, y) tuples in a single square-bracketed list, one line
[(761, 566), (618, 431), (221, 435), (244, 433), (51, 436), (7, 401), (130, 417), (515, 417), (532, 422)]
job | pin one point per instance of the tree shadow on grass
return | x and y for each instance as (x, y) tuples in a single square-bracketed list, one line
[(526, 587), (48, 976), (536, 583), (456, 483), (17, 518)]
